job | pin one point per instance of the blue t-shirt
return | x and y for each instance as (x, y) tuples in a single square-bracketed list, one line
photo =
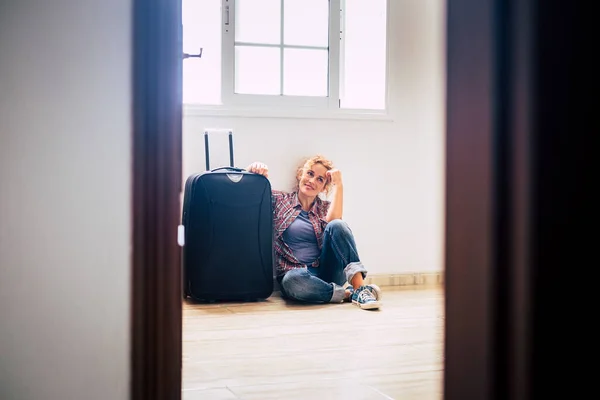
[(301, 238)]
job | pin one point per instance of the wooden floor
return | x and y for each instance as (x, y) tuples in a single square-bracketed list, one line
[(282, 350)]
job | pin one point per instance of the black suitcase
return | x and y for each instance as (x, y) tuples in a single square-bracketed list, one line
[(228, 251)]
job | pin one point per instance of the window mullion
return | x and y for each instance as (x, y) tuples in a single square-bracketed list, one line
[(281, 48), (334, 53), (342, 61), (227, 51)]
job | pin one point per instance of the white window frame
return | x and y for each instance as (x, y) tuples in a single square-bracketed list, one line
[(251, 105), (228, 97)]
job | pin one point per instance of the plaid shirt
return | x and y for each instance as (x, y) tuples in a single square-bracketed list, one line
[(286, 208)]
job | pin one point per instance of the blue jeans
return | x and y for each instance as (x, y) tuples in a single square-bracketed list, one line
[(338, 263)]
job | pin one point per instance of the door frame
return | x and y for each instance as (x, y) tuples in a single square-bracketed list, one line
[(511, 74), (488, 199), (156, 311)]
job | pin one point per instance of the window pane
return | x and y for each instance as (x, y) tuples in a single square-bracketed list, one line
[(305, 72), (257, 70), (258, 21), (302, 14), (363, 83), (202, 28)]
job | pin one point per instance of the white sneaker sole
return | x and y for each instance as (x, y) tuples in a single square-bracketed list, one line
[(368, 306)]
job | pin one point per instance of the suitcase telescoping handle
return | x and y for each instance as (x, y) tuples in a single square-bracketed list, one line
[(206, 151)]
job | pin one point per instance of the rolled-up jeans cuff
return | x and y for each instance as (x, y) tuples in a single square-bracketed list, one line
[(338, 294), (352, 269)]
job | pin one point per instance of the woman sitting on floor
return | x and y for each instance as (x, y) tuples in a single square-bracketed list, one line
[(315, 250)]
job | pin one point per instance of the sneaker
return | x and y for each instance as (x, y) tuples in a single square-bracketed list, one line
[(376, 292), (364, 298), (372, 287)]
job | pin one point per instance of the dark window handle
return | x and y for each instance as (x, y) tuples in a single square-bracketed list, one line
[(199, 55)]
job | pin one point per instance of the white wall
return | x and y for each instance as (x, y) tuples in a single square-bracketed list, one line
[(393, 171), (64, 199)]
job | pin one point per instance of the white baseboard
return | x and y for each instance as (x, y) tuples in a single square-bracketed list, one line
[(407, 279)]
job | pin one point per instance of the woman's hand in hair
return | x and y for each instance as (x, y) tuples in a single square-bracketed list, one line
[(335, 177)]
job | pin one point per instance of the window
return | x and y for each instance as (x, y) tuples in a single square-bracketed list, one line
[(328, 54)]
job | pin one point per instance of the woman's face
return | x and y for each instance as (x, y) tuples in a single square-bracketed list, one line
[(313, 180)]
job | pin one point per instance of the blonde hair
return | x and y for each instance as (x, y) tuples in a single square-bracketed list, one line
[(308, 164)]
